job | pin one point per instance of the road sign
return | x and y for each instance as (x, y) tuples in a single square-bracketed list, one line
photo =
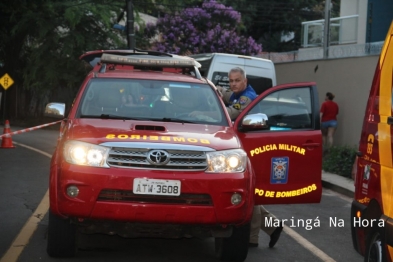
[(6, 81)]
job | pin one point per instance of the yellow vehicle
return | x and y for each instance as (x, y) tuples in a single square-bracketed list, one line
[(372, 207)]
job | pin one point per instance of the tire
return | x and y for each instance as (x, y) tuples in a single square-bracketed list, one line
[(61, 237), (375, 248), (235, 247)]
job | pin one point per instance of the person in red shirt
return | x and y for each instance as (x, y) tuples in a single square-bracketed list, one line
[(328, 112)]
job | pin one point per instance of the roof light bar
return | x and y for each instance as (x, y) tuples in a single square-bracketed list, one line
[(175, 61)]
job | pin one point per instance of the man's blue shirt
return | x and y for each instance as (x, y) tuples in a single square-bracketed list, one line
[(248, 92)]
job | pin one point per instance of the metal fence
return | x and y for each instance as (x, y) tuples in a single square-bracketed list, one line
[(342, 30), (334, 52)]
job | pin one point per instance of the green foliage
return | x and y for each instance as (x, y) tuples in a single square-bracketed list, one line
[(40, 45), (158, 8), (339, 160), (41, 42)]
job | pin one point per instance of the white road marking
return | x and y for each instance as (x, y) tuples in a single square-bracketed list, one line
[(307, 244), (23, 238), (34, 149)]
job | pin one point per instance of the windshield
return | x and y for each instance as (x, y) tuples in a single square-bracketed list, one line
[(151, 101)]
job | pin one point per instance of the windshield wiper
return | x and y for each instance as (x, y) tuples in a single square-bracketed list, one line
[(165, 119), (109, 116), (178, 120)]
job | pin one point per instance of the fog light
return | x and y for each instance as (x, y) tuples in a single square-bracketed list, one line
[(72, 191), (236, 199)]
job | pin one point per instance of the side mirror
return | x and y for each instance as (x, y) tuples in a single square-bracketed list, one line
[(255, 122), (56, 110)]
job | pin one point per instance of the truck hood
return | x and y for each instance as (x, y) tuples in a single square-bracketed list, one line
[(97, 131)]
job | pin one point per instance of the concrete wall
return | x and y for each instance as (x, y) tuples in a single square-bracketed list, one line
[(349, 79)]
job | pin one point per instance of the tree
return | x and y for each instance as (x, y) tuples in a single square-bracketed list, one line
[(42, 40), (267, 21), (158, 8), (209, 28)]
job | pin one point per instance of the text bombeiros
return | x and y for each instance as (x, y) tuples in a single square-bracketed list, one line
[(311, 223)]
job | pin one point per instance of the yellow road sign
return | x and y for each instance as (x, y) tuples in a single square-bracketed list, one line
[(6, 81)]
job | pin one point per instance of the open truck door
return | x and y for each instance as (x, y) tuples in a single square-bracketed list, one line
[(286, 150)]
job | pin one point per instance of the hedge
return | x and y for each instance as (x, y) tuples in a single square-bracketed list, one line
[(339, 160)]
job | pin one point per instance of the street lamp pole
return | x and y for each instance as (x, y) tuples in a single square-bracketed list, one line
[(130, 25), (326, 30)]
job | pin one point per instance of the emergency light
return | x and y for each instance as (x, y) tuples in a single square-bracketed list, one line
[(175, 61)]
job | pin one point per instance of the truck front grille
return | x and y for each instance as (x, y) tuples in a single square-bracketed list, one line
[(128, 196), (138, 158)]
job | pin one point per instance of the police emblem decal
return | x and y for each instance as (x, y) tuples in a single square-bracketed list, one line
[(279, 170), (243, 100)]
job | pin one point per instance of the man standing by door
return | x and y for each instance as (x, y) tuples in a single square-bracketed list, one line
[(236, 98)]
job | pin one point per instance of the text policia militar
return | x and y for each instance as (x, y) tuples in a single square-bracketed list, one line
[(271, 147), (310, 223)]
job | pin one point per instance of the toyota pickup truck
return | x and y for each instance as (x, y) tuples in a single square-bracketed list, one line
[(149, 169)]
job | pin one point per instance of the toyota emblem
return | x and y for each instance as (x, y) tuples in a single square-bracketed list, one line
[(158, 157)]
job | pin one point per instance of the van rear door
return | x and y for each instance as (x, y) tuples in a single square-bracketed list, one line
[(287, 155), (261, 74)]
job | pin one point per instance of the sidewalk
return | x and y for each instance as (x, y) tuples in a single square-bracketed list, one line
[(338, 183)]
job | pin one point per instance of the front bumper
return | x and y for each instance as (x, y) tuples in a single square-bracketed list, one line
[(106, 194)]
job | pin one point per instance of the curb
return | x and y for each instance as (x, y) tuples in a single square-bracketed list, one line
[(338, 189)]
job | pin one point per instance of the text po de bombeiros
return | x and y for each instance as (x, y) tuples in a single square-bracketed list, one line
[(311, 223)]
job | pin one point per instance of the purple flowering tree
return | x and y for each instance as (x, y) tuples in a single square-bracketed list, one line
[(210, 28)]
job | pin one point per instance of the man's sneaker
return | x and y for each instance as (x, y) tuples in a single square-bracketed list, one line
[(275, 236)]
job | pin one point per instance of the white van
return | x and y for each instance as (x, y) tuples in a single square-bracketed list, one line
[(261, 74)]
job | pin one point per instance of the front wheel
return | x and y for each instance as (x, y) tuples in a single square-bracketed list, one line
[(235, 247), (61, 237), (375, 251)]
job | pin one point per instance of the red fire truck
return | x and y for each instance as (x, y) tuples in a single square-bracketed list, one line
[(149, 168)]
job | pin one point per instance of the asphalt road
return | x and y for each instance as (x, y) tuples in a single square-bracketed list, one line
[(24, 182)]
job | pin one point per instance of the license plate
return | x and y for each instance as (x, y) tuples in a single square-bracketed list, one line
[(160, 187)]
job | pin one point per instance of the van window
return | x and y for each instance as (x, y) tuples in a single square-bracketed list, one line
[(259, 83), (221, 79), (287, 109)]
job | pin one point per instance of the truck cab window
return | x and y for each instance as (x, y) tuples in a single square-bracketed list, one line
[(287, 109)]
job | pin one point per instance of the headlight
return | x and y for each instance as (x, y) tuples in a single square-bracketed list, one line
[(226, 161), (85, 154)]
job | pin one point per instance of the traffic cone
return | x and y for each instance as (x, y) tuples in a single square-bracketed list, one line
[(6, 141)]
